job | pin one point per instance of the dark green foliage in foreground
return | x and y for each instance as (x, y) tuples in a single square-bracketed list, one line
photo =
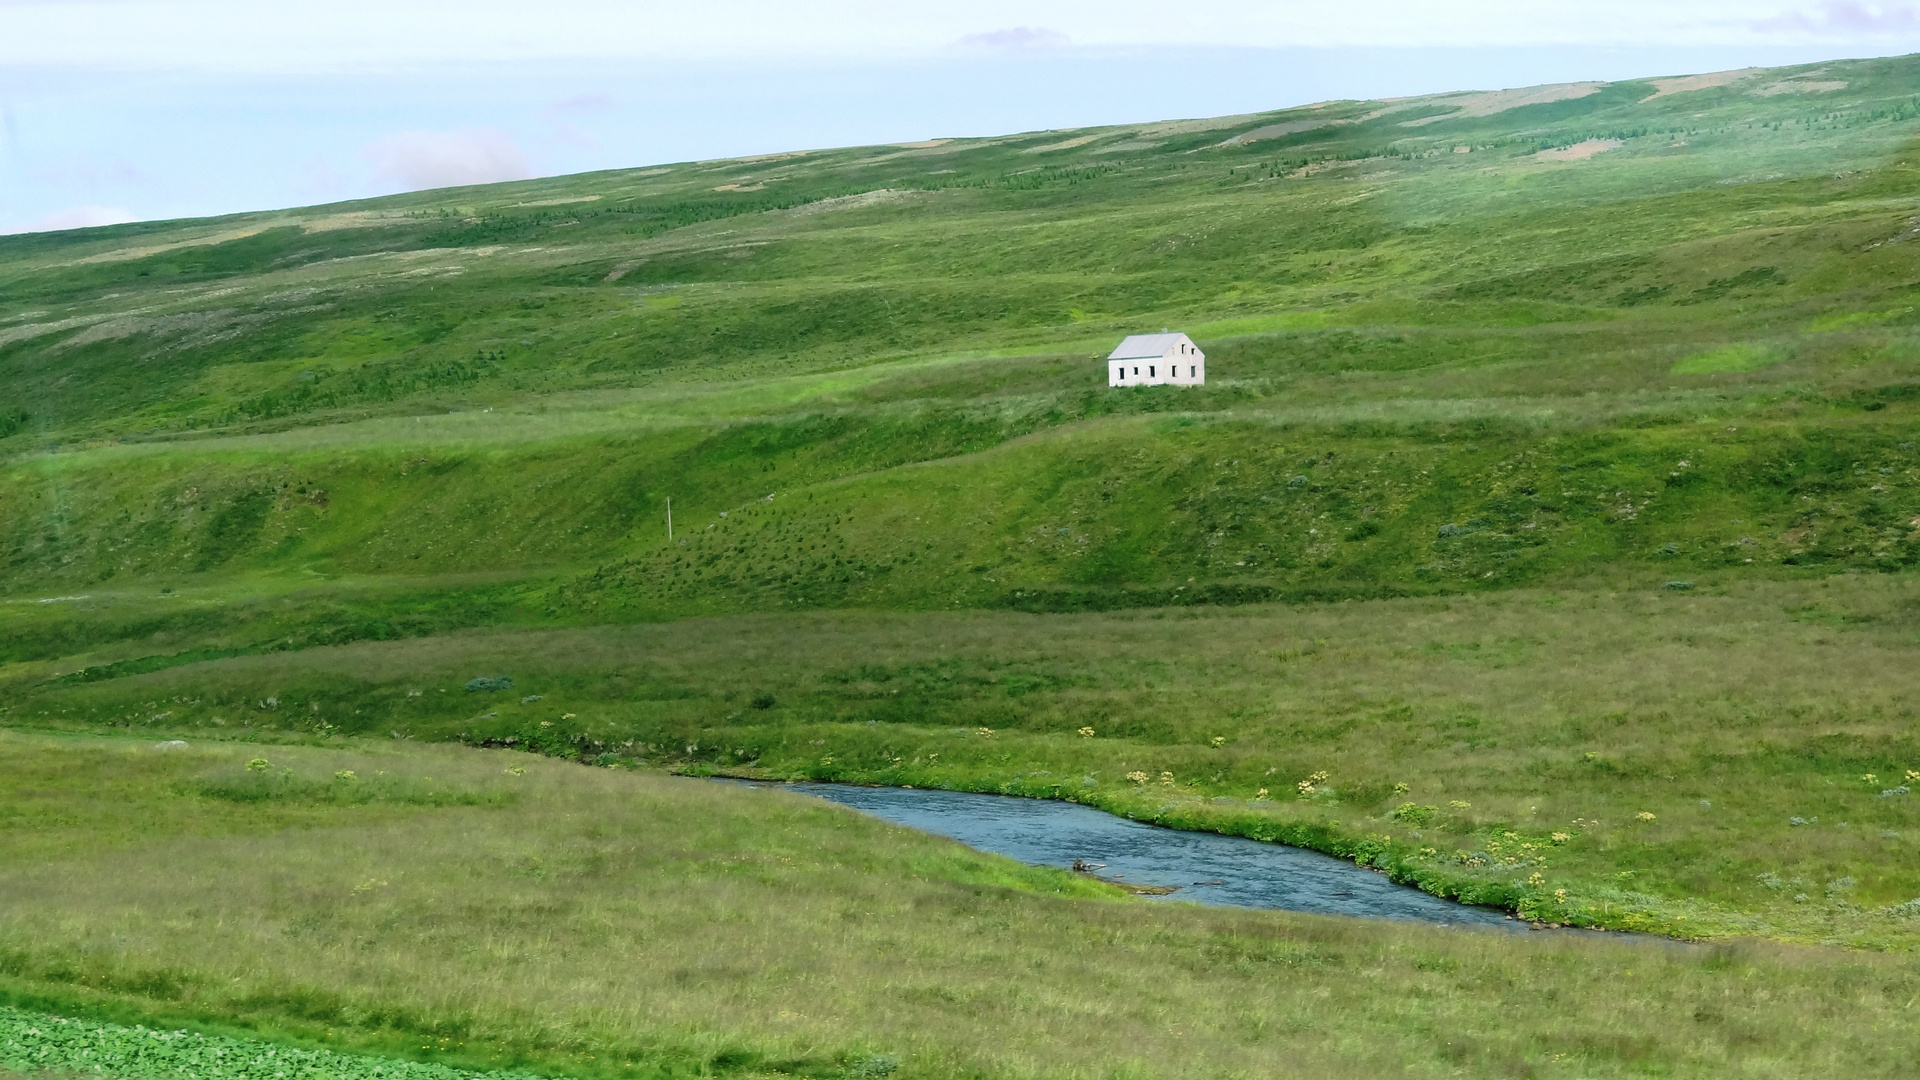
[(35, 1042)]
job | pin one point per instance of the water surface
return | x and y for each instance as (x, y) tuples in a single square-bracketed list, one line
[(1202, 867)]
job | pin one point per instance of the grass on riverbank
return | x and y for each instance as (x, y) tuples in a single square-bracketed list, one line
[(612, 923), (1726, 760)]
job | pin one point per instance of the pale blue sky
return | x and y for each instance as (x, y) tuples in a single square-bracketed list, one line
[(124, 109)]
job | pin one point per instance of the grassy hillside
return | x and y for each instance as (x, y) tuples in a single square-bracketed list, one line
[(1556, 494), (1516, 315), (489, 910)]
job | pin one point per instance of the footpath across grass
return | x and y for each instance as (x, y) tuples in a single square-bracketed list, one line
[(613, 923)]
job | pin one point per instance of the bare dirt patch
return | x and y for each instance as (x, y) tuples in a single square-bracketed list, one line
[(1580, 151), (1127, 147), (1686, 83), (1315, 168), (1490, 102), (560, 201), (1189, 127), (1067, 145), (123, 254), (1275, 131), (26, 331), (358, 219), (850, 202), (1792, 86), (929, 148)]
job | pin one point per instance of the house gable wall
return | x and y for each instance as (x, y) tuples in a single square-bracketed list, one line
[(1178, 363)]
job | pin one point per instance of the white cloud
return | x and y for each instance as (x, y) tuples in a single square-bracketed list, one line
[(76, 217), (1846, 20), (416, 160)]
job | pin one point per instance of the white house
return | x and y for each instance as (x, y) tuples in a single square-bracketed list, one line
[(1155, 360)]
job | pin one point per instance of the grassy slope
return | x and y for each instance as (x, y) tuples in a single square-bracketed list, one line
[(1688, 358), (600, 923), (661, 333)]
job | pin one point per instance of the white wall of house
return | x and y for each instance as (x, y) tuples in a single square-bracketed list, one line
[(1168, 360)]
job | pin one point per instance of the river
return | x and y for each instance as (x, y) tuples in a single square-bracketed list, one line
[(1200, 867)]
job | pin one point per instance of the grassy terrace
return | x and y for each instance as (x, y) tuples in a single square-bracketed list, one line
[(1552, 515), (1723, 761), (488, 909)]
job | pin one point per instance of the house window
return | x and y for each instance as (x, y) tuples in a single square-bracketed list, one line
[(1136, 371), (1192, 369), (1150, 371)]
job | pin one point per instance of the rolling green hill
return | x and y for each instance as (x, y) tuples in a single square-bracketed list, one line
[(1515, 314), (1558, 460)]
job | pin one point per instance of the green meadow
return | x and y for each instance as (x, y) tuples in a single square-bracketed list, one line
[(492, 911), (1545, 537)]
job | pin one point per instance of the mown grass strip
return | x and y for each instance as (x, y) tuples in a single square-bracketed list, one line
[(38, 1043)]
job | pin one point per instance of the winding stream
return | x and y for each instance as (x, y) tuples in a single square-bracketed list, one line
[(1206, 868)]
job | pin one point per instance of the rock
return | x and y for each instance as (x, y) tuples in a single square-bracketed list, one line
[(170, 744)]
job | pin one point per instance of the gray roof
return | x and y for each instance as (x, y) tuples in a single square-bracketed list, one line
[(1143, 346)]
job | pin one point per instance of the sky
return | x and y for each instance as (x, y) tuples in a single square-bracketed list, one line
[(118, 110)]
